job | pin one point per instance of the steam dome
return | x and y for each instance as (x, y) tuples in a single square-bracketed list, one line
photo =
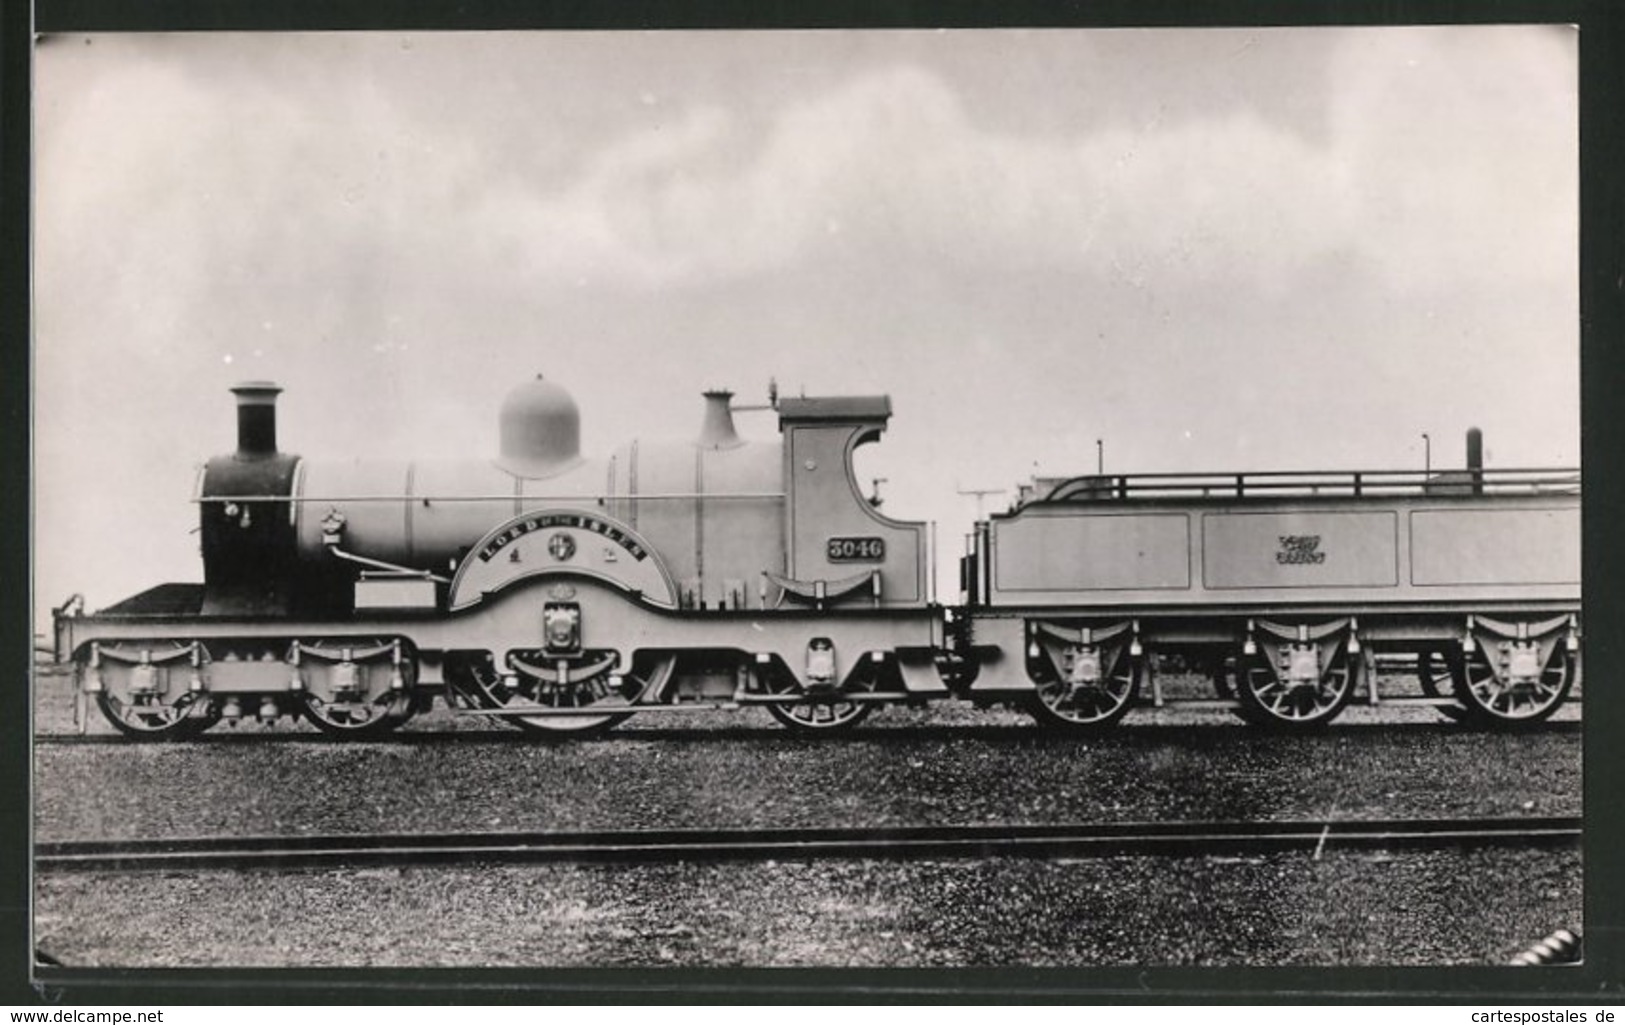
[(540, 428)]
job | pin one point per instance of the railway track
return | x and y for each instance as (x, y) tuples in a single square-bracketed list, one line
[(870, 732), (982, 841)]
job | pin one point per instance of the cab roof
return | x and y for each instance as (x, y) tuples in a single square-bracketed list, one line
[(842, 408)]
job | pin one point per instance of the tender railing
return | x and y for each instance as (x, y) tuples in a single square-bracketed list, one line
[(1290, 483)]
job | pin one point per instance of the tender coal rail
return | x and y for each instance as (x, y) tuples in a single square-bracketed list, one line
[(982, 841)]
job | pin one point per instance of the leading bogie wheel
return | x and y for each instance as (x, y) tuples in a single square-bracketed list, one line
[(149, 690), (358, 689), (359, 720), (180, 720)]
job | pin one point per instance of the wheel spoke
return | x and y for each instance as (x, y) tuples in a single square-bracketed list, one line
[(377, 696), (537, 685), (1268, 699), (155, 721), (824, 715), (1093, 704), (1513, 701), (171, 711), (358, 719)]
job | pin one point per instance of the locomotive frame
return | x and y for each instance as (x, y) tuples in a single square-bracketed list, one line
[(562, 595)]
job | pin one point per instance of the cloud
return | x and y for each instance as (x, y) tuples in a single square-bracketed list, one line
[(1462, 151), (891, 162), (1443, 161), (1434, 171)]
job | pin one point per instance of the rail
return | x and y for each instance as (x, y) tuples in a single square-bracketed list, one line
[(678, 732), (979, 841)]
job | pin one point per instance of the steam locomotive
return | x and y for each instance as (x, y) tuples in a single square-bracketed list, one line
[(562, 594)]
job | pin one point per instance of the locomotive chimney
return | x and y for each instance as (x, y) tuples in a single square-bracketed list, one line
[(256, 419), (717, 431), (1475, 458)]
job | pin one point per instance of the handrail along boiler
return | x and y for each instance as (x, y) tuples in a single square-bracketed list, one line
[(562, 593)]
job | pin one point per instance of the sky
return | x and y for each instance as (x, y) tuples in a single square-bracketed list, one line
[(1212, 249)]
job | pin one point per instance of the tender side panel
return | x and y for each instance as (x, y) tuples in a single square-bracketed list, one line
[(1495, 546), (1467, 551), (1300, 548), (1093, 553)]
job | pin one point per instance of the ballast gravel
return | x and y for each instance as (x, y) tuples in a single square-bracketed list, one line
[(1347, 908), (904, 767), (755, 778)]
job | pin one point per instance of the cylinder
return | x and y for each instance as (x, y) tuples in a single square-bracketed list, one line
[(256, 419)]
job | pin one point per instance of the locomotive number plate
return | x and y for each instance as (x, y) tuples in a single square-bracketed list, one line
[(856, 549)]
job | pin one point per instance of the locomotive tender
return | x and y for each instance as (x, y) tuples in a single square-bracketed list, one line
[(562, 594)]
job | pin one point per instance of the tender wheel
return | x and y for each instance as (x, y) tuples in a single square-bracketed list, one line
[(1441, 675), (589, 683), (1495, 702), (1270, 701), (156, 721), (1089, 706)]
